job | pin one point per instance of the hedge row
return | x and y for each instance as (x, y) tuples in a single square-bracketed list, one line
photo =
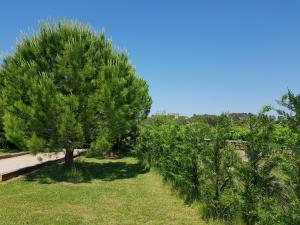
[(254, 185)]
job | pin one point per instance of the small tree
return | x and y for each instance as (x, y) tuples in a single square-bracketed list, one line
[(262, 194), (65, 87), (219, 187), (291, 116)]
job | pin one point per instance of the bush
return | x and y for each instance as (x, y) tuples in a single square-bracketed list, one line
[(202, 165), (196, 168)]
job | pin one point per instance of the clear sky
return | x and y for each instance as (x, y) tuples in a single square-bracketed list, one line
[(197, 56)]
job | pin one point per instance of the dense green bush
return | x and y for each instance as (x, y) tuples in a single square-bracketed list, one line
[(202, 164), (263, 189), (197, 167), (174, 150), (290, 116), (219, 162)]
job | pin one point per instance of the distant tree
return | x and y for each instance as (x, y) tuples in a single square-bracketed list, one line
[(212, 120), (65, 87), (239, 118), (164, 118)]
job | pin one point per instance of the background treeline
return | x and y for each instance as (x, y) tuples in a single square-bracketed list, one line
[(241, 168)]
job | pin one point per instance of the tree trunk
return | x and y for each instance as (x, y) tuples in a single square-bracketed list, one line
[(69, 160)]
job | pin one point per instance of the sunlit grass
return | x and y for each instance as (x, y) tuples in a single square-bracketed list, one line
[(98, 192)]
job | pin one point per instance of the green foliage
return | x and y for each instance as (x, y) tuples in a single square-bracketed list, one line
[(237, 119), (220, 187), (236, 170), (174, 151), (100, 145), (65, 87), (35, 144), (263, 190), (290, 115), (197, 168)]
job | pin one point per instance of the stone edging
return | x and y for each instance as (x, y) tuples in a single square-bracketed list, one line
[(16, 173), (11, 155)]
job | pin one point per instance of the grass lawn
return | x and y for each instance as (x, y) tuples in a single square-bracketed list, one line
[(101, 192)]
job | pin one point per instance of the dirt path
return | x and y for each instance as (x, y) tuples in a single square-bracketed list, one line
[(19, 162)]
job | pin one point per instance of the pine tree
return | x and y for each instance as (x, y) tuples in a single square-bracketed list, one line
[(65, 87)]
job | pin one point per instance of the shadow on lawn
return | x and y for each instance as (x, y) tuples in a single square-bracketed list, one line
[(87, 171)]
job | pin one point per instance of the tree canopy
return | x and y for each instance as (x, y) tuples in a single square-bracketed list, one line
[(65, 87)]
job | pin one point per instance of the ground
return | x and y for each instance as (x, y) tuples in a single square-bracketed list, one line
[(106, 192)]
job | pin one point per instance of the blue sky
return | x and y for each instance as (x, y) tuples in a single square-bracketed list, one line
[(197, 56)]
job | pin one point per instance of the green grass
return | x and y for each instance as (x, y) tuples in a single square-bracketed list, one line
[(98, 192)]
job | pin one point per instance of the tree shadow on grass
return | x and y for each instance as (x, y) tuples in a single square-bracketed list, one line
[(85, 172)]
